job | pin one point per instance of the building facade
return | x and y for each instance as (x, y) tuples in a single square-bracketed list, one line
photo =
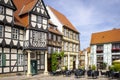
[(70, 43), (54, 42), (85, 58), (105, 47), (24, 29)]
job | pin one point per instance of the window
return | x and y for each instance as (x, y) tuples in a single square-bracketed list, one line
[(77, 36), (99, 49), (39, 19), (59, 39), (49, 36), (54, 37), (64, 32), (1, 31), (20, 59), (1, 10), (116, 47), (49, 50), (15, 33), (0, 59)]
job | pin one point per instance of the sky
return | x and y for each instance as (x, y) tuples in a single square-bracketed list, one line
[(89, 16)]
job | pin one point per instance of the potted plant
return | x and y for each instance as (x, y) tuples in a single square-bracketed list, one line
[(93, 67)]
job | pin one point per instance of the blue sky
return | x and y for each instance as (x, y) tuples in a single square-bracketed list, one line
[(89, 16)]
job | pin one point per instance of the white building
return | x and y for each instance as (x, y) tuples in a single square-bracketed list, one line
[(105, 47)]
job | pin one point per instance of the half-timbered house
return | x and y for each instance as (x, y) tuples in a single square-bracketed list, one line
[(23, 36)]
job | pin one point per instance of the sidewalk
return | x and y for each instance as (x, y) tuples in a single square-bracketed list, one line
[(49, 77)]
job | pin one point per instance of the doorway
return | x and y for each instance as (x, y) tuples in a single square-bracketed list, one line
[(34, 67)]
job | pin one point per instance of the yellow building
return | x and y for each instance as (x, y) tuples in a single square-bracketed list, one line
[(70, 43)]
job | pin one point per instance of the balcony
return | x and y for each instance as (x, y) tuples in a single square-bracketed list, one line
[(115, 50), (99, 51), (54, 43), (35, 45)]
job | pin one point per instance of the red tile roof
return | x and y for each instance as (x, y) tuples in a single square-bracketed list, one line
[(51, 29), (63, 20), (23, 6), (106, 37)]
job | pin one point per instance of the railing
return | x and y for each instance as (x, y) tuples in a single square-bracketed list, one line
[(34, 44), (54, 43)]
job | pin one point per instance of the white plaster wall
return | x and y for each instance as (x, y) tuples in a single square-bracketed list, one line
[(8, 41), (15, 42), (93, 55), (7, 63), (33, 17), (6, 69), (0, 70), (6, 1), (9, 19), (8, 29), (9, 11), (2, 17), (13, 51), (21, 37), (14, 56), (6, 50), (27, 35), (0, 50), (54, 19), (86, 60), (20, 68), (107, 54), (7, 35)]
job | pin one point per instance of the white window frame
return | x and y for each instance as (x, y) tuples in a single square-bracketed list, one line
[(1, 10), (20, 59), (15, 33), (39, 19), (1, 31)]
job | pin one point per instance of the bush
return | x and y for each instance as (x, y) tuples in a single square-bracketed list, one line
[(117, 67), (93, 67)]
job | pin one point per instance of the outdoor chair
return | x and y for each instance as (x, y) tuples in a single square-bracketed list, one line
[(103, 73), (79, 73)]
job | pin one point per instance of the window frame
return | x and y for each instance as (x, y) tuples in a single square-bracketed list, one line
[(15, 32), (0, 59), (20, 59), (1, 31), (1, 10)]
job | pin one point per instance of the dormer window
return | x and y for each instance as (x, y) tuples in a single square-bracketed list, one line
[(1, 10), (99, 49), (116, 47)]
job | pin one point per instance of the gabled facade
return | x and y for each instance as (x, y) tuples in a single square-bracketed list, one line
[(85, 58), (24, 29), (105, 47), (70, 43), (54, 42)]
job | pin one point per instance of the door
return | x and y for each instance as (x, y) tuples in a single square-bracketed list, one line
[(74, 65), (34, 67)]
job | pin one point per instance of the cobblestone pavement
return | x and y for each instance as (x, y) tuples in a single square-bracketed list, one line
[(50, 77)]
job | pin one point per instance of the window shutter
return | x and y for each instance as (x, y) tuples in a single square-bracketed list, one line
[(3, 59)]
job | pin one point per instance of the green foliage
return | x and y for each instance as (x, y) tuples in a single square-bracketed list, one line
[(104, 65), (54, 59), (115, 67), (93, 67), (111, 68), (82, 67)]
